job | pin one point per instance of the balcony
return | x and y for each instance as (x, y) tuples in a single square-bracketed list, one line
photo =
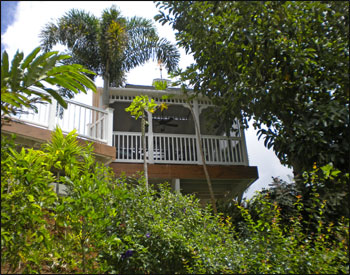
[(92, 124), (171, 133)]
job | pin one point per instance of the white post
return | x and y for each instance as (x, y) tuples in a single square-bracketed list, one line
[(100, 100), (175, 183), (52, 114), (109, 126), (150, 138), (244, 146), (196, 120)]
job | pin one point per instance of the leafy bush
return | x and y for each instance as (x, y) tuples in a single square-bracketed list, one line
[(109, 225), (162, 232), (269, 246), (26, 199), (289, 229), (330, 185)]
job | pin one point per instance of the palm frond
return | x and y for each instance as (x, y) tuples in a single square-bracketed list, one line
[(144, 44), (79, 32)]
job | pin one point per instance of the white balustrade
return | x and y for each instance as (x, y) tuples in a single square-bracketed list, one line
[(223, 150), (39, 119), (179, 149), (174, 148), (90, 122), (129, 146)]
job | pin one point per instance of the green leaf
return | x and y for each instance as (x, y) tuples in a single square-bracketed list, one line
[(160, 85), (16, 72), (63, 81), (4, 68), (30, 198), (30, 57), (56, 96)]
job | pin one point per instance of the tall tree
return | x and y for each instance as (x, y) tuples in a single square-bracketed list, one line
[(111, 45), (284, 64)]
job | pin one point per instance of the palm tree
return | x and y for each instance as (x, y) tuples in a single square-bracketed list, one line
[(111, 45)]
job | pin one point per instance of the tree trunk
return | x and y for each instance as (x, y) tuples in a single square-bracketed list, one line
[(210, 187), (297, 171), (105, 94), (144, 149), (58, 183), (82, 244)]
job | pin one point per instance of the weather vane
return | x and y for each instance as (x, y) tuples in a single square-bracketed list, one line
[(160, 68)]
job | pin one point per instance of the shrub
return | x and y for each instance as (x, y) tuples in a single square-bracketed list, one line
[(26, 199), (162, 232), (270, 246), (109, 225)]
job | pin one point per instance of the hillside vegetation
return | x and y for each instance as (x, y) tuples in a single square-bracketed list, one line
[(116, 225)]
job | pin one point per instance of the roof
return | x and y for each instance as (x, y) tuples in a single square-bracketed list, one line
[(132, 86)]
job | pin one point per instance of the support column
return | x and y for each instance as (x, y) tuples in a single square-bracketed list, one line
[(100, 99), (244, 146), (109, 126), (175, 185), (52, 114)]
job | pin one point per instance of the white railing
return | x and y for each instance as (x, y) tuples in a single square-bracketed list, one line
[(129, 146), (223, 150), (39, 119), (90, 122), (179, 149), (174, 148)]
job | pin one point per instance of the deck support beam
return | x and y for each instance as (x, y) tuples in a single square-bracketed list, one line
[(187, 171)]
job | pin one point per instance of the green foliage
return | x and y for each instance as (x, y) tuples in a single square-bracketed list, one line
[(305, 223), (161, 232), (282, 63), (37, 71), (139, 108), (160, 85), (82, 212), (66, 154), (330, 185), (109, 225), (26, 199), (272, 247), (140, 105)]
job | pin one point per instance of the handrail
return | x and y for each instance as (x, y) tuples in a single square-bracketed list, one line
[(221, 137), (86, 106), (97, 121)]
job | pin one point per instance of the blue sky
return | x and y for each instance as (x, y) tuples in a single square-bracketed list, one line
[(8, 11), (30, 17)]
